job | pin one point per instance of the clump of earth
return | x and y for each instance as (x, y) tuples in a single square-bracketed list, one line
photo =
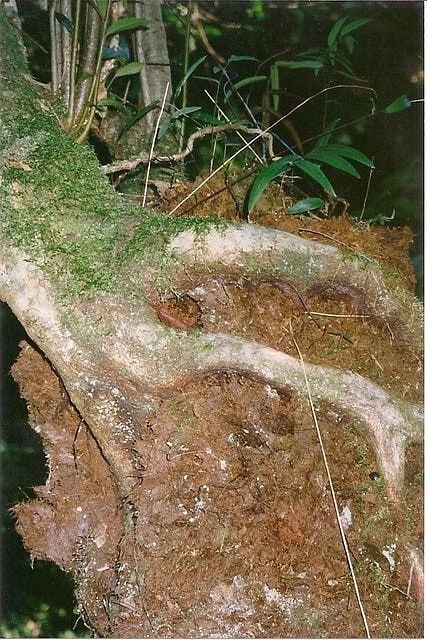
[(236, 522)]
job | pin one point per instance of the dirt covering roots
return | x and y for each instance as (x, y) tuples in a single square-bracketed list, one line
[(230, 528)]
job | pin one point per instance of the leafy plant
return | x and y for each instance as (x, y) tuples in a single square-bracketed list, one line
[(331, 60), (78, 78), (338, 156)]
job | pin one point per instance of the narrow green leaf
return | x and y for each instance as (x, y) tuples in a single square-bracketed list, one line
[(353, 154), (326, 135), (110, 102), (349, 43), (182, 82), (85, 76), (126, 24), (212, 31), (265, 176), (234, 58), (275, 85), (129, 69), (400, 104), (244, 83), (100, 6), (336, 28), (316, 173), (204, 117), (308, 204), (353, 25), (164, 127), (300, 64), (334, 160), (137, 117), (66, 22)]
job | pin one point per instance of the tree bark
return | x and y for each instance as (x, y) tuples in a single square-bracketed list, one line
[(87, 275)]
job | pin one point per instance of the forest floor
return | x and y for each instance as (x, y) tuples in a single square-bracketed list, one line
[(238, 510)]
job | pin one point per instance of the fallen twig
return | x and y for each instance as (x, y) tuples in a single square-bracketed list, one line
[(130, 165)]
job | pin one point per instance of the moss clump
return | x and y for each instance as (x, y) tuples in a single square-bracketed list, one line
[(56, 204)]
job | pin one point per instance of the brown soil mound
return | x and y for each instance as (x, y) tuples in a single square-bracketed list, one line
[(236, 527)]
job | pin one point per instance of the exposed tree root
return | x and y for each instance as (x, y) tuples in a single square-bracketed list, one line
[(85, 277)]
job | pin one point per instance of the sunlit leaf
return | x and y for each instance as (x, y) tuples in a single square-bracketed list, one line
[(191, 70), (265, 176), (66, 22), (400, 104), (316, 173), (126, 24), (129, 69), (334, 160), (308, 204)]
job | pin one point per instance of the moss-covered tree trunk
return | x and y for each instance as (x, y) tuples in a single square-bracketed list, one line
[(159, 516)]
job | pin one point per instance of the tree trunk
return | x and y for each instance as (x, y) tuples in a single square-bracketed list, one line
[(170, 446)]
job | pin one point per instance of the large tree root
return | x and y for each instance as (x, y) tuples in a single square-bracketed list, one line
[(87, 276), (117, 361)]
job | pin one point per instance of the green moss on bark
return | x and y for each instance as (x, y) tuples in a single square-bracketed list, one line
[(57, 205)]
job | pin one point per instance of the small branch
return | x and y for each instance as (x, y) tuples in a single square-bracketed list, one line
[(130, 165)]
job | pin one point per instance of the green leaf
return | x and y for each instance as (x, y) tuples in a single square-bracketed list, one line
[(400, 104), (126, 24), (110, 102), (300, 64), (244, 83), (204, 117), (129, 69), (350, 152), (334, 160), (336, 28), (353, 25), (326, 135), (265, 176), (308, 204), (164, 127), (182, 82), (234, 58), (85, 76), (212, 31), (66, 22), (137, 117), (316, 173), (100, 7), (349, 43), (275, 85)]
